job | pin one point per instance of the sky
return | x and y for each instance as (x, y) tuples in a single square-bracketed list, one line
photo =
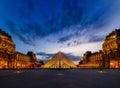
[(48, 26)]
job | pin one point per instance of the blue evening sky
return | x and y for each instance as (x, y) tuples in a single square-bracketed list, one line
[(49, 26)]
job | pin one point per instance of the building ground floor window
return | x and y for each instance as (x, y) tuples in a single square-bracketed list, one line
[(3, 64), (114, 63)]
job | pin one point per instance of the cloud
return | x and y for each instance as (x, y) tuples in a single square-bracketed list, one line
[(78, 50), (92, 17), (23, 34), (96, 17), (76, 35), (45, 56), (74, 21), (73, 57), (94, 38), (63, 39), (55, 21)]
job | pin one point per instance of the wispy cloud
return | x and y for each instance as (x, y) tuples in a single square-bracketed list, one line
[(72, 12), (69, 23), (22, 34), (46, 56)]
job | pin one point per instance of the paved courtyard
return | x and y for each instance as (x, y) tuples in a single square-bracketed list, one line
[(72, 78)]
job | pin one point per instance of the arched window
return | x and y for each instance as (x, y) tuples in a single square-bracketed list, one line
[(0, 39)]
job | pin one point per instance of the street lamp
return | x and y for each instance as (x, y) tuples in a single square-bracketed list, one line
[(18, 68)]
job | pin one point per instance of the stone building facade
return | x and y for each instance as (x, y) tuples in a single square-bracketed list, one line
[(24, 60), (109, 56), (93, 59), (9, 57), (111, 49)]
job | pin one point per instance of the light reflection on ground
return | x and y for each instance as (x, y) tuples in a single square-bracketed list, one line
[(59, 74)]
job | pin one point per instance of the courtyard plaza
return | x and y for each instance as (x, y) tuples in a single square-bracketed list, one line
[(60, 78)]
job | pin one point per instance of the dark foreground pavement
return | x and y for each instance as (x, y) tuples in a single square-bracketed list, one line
[(74, 78)]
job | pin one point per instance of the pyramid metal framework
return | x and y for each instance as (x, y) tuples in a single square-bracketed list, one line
[(59, 60)]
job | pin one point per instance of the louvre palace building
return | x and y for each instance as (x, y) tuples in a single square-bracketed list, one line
[(109, 56), (10, 58)]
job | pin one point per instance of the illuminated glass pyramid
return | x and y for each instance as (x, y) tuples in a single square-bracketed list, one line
[(59, 60)]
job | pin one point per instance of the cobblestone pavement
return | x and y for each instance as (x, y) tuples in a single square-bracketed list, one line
[(69, 78)]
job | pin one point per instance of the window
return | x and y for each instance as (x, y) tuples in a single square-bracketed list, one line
[(3, 44), (0, 39)]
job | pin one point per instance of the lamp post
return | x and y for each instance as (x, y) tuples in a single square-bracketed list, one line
[(18, 68)]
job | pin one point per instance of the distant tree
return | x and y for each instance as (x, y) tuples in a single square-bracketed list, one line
[(81, 62), (41, 62)]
